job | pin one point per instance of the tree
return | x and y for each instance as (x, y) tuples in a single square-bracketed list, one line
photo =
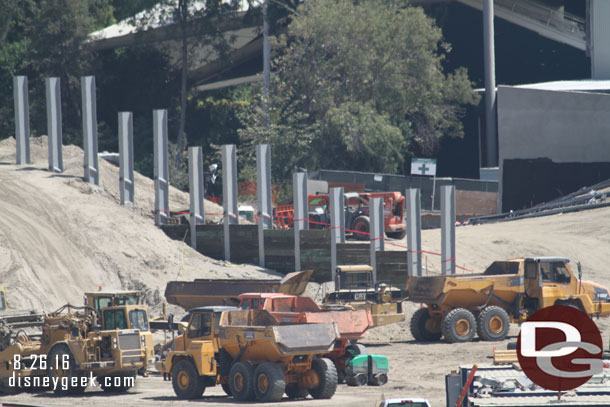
[(358, 85)]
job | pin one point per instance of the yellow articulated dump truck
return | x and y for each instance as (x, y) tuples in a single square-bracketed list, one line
[(458, 306), (72, 350), (251, 356)]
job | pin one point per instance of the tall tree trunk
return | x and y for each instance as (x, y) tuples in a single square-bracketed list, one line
[(183, 11)]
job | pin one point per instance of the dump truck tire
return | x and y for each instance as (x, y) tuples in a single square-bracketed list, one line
[(459, 325), (493, 324), (269, 382), (357, 349), (327, 375), (295, 392), (226, 388), (241, 381), (362, 224), (55, 361), (418, 327), (186, 381), (396, 235)]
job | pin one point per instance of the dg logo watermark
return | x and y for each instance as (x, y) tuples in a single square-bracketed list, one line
[(560, 348)]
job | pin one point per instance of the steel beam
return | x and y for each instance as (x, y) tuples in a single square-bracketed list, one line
[(448, 229), (53, 93), (377, 236), (301, 221), (126, 184), (161, 170), (89, 113), (263, 197), (22, 119), (229, 194), (337, 226), (196, 192), (413, 211)]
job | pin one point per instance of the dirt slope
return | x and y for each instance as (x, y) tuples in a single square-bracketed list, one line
[(60, 237)]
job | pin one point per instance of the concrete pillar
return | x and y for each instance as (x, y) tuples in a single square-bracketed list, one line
[(53, 93), (22, 119), (377, 236), (413, 212), (301, 219), (490, 83), (337, 226), (263, 197), (126, 184), (599, 35), (161, 168), (196, 192), (266, 63), (229, 194), (448, 229), (89, 107)]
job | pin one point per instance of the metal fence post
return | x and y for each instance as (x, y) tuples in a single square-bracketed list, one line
[(263, 197), (161, 170), (22, 119), (448, 229), (229, 194), (377, 236), (126, 184), (89, 113), (301, 220), (413, 202), (337, 226), (53, 93), (196, 192)]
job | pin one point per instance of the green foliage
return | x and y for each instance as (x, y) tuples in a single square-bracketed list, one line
[(358, 85)]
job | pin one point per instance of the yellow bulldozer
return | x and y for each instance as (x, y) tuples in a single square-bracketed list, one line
[(460, 306), (72, 350)]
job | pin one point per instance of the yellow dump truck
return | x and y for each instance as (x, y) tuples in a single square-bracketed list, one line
[(251, 356), (71, 349), (458, 306)]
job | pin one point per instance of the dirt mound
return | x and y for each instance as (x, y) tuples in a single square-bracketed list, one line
[(60, 236)]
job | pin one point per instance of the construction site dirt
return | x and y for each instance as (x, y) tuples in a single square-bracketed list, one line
[(130, 253)]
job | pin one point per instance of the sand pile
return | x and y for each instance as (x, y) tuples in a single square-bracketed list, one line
[(60, 237)]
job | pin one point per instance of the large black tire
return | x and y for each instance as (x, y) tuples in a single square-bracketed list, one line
[(241, 381), (493, 324), (362, 224), (55, 364), (396, 235), (226, 388), (459, 325), (295, 392), (418, 327), (186, 381), (327, 379), (269, 382)]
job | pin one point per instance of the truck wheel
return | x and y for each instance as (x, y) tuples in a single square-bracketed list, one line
[(379, 379), (57, 370), (459, 325), (359, 379), (269, 382), (396, 235), (294, 392), (241, 381), (362, 224), (186, 380), (493, 324), (327, 379), (420, 327), (226, 388)]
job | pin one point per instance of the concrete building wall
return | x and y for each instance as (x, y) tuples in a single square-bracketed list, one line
[(600, 38), (550, 140)]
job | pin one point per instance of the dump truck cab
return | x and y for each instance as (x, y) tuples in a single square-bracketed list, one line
[(102, 299), (251, 356), (458, 306)]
